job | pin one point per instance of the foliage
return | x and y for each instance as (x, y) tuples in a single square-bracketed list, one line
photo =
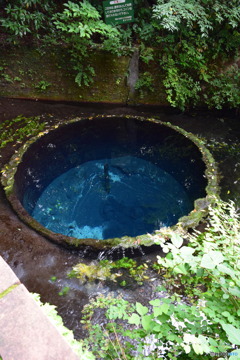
[(78, 27), (194, 39), (197, 314), (100, 338), (181, 88), (78, 24), (92, 272), (122, 271), (82, 19), (26, 16), (175, 15), (146, 54), (145, 83), (43, 85), (121, 44), (64, 291), (78, 346), (198, 36), (19, 128), (224, 89)]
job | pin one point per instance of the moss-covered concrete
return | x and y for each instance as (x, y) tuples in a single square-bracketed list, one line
[(45, 74)]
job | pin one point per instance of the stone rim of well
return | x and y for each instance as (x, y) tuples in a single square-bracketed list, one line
[(186, 222)]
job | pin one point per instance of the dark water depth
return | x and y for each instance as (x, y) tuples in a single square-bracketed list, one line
[(108, 178)]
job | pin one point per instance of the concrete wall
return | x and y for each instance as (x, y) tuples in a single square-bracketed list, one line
[(34, 73)]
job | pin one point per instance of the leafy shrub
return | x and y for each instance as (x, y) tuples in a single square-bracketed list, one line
[(144, 84), (197, 36), (78, 25), (25, 17), (43, 85), (196, 315), (224, 89), (194, 38)]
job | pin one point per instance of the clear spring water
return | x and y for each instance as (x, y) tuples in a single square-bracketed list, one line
[(109, 198), (110, 177)]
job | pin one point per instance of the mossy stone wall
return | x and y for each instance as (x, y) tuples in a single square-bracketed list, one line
[(31, 73)]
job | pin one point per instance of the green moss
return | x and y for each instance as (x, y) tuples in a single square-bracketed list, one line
[(121, 271), (19, 128), (8, 290), (57, 82)]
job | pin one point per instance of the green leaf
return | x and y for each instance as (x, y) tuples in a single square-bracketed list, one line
[(234, 354), (225, 296), (211, 260), (157, 311), (180, 269), (186, 253), (147, 323), (165, 308), (187, 348), (233, 333), (176, 240), (142, 310), (197, 348), (234, 291), (157, 328), (225, 313), (134, 319), (155, 302), (207, 262), (226, 270)]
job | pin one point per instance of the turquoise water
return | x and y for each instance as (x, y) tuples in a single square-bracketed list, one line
[(109, 198)]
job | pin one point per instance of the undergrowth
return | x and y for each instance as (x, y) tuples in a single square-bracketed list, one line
[(196, 315)]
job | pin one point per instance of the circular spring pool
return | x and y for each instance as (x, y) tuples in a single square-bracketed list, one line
[(109, 177)]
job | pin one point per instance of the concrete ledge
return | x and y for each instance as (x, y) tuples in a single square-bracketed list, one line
[(26, 333)]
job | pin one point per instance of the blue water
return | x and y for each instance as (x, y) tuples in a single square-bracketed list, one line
[(109, 198)]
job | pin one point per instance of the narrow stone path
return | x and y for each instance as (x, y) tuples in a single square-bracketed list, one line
[(26, 333)]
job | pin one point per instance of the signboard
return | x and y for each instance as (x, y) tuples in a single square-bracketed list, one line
[(118, 11)]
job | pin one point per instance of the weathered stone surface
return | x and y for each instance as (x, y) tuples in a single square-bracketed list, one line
[(21, 78), (7, 276), (56, 80), (26, 333)]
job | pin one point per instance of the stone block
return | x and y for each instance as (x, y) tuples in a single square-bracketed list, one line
[(26, 333)]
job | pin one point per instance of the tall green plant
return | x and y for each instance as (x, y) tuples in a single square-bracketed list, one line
[(80, 26), (197, 37)]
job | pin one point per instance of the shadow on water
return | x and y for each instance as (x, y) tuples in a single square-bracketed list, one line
[(43, 266)]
